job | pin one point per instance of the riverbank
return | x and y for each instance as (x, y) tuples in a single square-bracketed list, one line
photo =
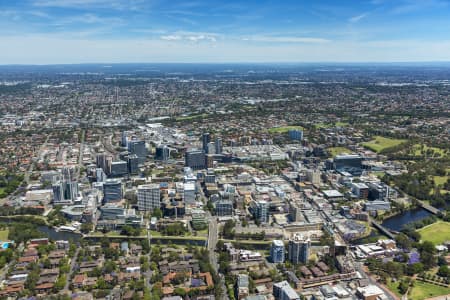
[(397, 222)]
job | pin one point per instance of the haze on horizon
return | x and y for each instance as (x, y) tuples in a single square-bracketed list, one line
[(116, 31)]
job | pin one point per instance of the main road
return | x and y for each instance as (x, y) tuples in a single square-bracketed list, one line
[(213, 232)]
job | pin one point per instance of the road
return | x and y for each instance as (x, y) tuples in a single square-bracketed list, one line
[(72, 267), (80, 157), (148, 274), (212, 243), (30, 169)]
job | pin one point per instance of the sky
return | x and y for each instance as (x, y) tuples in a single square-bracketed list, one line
[(213, 31)]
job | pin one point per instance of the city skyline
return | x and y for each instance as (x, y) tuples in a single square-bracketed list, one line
[(90, 31)]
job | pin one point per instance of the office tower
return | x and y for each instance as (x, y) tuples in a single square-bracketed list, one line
[(71, 190), (313, 176), (218, 145), (277, 251), (108, 163), (224, 207), (148, 197), (283, 291), (65, 192), (124, 141), (112, 190), (119, 168), (296, 135), (206, 139), (262, 211), (195, 159), (211, 148), (100, 175), (299, 249), (133, 164), (101, 161), (138, 148), (189, 193), (162, 153), (58, 193), (351, 163)]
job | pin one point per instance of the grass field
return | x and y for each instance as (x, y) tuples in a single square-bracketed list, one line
[(436, 233), (380, 143), (422, 290), (393, 286), (284, 129), (338, 150), (440, 179), (191, 117), (341, 124), (4, 235)]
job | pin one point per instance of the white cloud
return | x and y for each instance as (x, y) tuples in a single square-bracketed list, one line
[(356, 19), (191, 37), (51, 49), (171, 37), (111, 4), (286, 39)]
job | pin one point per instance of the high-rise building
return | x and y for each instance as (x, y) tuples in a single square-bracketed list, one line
[(149, 197), (162, 153), (218, 145), (211, 148), (283, 291), (118, 168), (299, 249), (65, 192), (206, 139), (100, 175), (351, 163), (195, 159), (133, 164), (295, 134), (262, 211), (313, 176), (58, 193), (277, 251), (189, 193), (138, 148), (224, 207), (101, 161), (210, 177), (124, 141), (112, 190)]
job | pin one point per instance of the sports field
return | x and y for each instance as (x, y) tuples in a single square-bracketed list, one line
[(379, 143), (436, 233)]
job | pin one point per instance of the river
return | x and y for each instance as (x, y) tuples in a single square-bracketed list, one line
[(59, 235), (397, 222)]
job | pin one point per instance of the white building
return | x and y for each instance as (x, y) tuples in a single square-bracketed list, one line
[(148, 197)]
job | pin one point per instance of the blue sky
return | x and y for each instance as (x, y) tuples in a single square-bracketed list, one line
[(80, 31)]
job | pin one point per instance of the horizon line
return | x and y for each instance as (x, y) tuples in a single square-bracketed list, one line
[(233, 62)]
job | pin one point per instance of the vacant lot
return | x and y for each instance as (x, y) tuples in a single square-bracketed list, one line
[(380, 143), (436, 233)]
